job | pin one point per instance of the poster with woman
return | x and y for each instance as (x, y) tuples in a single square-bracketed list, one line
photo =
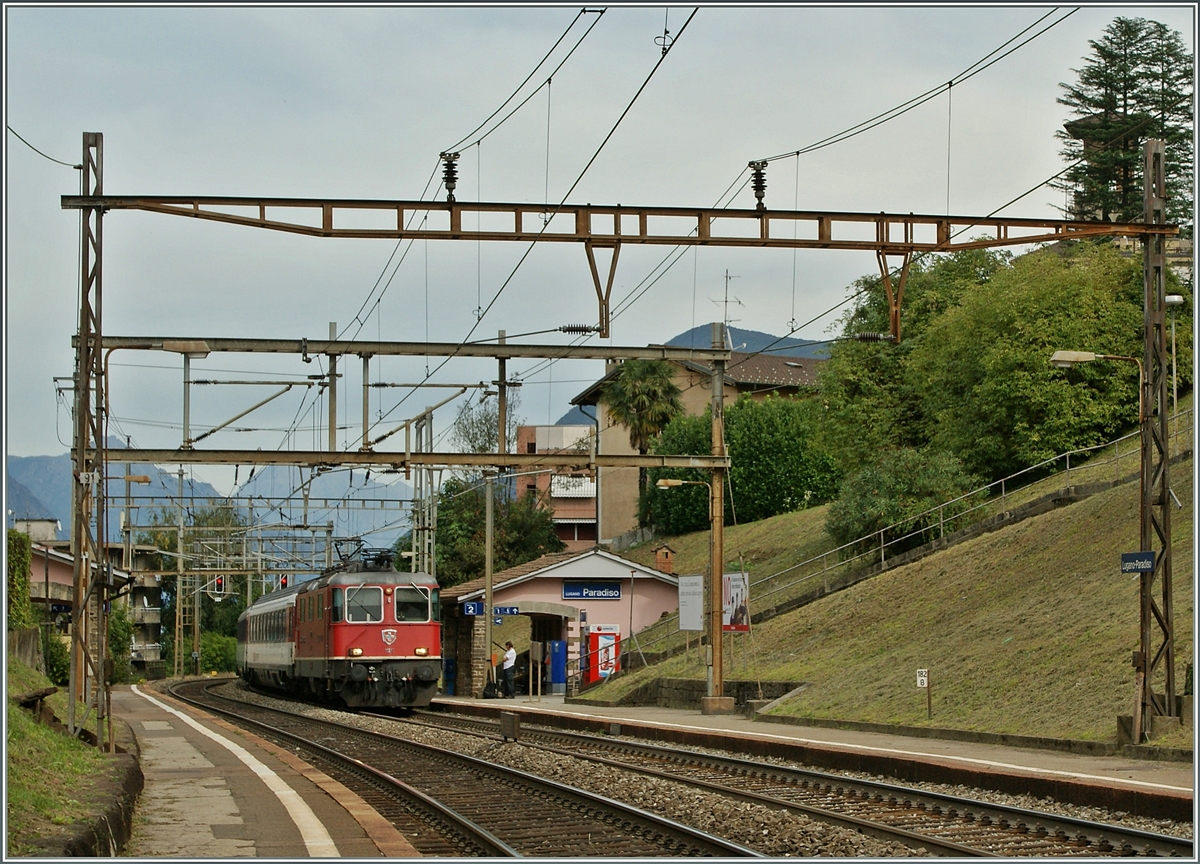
[(735, 589)]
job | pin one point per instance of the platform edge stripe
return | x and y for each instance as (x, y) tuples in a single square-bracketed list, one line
[(316, 839), (387, 839)]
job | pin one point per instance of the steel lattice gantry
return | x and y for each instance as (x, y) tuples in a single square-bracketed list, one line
[(889, 236)]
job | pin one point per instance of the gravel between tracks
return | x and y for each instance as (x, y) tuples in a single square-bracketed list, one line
[(771, 832)]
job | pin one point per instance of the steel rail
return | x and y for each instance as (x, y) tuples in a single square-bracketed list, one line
[(1036, 823), (487, 843), (700, 841)]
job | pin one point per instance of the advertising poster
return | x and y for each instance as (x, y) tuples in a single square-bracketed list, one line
[(735, 616), (691, 602)]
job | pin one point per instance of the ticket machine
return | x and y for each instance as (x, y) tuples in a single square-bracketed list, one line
[(603, 647)]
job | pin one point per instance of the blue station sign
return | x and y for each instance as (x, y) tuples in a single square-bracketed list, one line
[(591, 591), (472, 608), (506, 610), (1137, 562)]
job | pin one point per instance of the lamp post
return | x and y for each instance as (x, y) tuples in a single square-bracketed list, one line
[(1171, 301), (716, 702), (1065, 360)]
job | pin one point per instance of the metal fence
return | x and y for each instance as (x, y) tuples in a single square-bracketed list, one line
[(946, 517)]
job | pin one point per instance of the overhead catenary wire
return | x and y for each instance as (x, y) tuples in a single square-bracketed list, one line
[(557, 208), (39, 152)]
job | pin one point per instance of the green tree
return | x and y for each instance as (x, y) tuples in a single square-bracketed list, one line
[(20, 615), (1135, 84), (120, 643), (643, 397), (218, 653), (775, 464), (522, 529), (869, 401), (893, 492), (982, 372)]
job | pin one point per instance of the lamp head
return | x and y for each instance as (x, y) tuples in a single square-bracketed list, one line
[(668, 482), (1174, 300), (1067, 359), (194, 349)]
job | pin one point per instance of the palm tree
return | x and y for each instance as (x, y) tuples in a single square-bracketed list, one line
[(643, 397)]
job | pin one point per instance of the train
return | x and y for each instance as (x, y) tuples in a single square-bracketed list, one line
[(362, 635)]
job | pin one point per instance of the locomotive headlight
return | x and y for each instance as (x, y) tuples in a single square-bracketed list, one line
[(355, 652), (421, 652)]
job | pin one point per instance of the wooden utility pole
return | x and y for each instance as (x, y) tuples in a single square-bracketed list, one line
[(717, 702)]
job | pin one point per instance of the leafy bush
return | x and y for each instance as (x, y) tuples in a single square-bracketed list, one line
[(120, 639), (774, 465), (217, 653), (903, 484), (19, 613), (58, 658)]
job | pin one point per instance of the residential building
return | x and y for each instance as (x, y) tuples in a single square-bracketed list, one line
[(571, 495), (755, 375)]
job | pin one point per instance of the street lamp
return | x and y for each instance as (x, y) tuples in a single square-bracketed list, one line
[(1065, 360), (716, 682), (191, 349), (1171, 301)]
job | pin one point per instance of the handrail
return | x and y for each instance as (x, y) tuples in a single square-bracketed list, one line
[(1002, 483)]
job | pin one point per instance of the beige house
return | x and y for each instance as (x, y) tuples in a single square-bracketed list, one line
[(572, 495), (754, 374)]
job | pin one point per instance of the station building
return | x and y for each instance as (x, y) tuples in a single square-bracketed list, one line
[(583, 602)]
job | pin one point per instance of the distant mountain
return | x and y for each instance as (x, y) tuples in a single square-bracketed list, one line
[(576, 417), (348, 498), (23, 504), (751, 341), (48, 481)]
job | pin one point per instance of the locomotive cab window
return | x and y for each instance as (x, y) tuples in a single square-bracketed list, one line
[(335, 613), (364, 605), (412, 604)]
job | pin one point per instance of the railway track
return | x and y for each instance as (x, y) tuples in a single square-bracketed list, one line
[(942, 824), (449, 804)]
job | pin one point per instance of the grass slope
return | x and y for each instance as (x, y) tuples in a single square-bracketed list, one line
[(1028, 630), (51, 778)]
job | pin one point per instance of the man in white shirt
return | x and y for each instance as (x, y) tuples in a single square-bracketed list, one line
[(509, 668)]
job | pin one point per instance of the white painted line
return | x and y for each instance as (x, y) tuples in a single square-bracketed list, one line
[(889, 750), (316, 838)]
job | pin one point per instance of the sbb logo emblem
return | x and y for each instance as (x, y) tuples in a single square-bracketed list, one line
[(389, 636)]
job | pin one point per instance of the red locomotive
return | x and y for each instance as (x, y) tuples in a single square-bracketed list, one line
[(363, 634)]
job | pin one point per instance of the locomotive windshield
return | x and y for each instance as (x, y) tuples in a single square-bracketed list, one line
[(364, 604), (412, 604)]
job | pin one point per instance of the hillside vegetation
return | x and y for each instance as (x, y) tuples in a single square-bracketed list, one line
[(52, 778), (1028, 630)]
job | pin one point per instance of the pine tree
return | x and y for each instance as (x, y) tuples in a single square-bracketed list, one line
[(1136, 84)]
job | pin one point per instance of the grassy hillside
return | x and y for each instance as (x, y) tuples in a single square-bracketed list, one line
[(1028, 630), (51, 777)]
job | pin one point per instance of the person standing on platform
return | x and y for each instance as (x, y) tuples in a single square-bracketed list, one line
[(509, 668)]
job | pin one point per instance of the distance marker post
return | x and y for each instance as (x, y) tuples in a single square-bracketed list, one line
[(923, 683)]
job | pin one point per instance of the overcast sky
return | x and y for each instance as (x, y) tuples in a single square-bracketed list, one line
[(358, 102)]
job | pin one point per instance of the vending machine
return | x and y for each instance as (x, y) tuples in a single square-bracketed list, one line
[(603, 647)]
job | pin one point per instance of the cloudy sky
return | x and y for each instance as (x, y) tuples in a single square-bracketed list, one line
[(357, 103)]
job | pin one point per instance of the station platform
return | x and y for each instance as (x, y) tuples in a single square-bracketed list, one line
[(215, 791), (1143, 786)]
